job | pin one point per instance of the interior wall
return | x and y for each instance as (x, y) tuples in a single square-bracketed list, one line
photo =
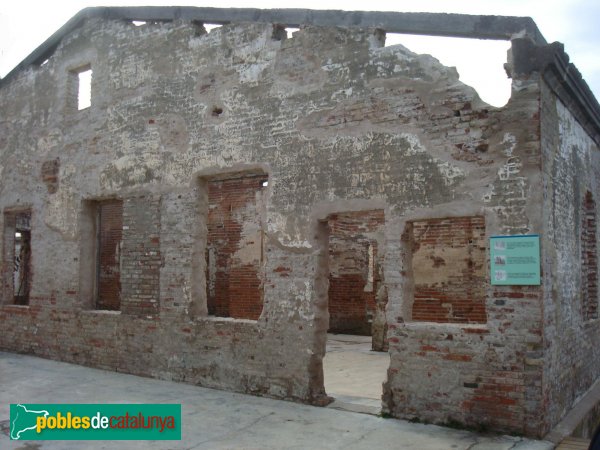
[(449, 269), (109, 239), (235, 247), (356, 293)]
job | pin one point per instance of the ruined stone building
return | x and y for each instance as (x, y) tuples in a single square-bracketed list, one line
[(228, 197)]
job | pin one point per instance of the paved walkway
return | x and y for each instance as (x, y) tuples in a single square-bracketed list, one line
[(354, 374), (221, 420)]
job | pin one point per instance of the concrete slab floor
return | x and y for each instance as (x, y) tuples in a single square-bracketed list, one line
[(353, 373), (220, 420)]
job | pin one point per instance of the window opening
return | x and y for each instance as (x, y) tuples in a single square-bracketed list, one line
[(589, 259), (84, 89), (235, 245), (22, 258), (109, 217)]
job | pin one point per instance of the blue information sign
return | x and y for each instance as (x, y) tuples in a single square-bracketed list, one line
[(515, 260)]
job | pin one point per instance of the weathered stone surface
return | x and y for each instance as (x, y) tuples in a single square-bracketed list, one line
[(571, 170), (338, 124)]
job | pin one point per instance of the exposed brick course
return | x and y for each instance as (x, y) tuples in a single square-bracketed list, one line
[(49, 172), (449, 271), (339, 123), (354, 270), (235, 247), (589, 258), (110, 230), (141, 255)]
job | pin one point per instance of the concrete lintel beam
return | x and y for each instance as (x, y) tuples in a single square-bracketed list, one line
[(431, 24)]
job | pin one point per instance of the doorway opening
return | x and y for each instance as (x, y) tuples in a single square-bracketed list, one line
[(356, 360)]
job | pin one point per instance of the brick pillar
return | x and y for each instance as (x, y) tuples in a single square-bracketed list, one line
[(141, 256)]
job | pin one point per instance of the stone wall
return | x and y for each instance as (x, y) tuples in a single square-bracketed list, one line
[(482, 375), (571, 172), (339, 124)]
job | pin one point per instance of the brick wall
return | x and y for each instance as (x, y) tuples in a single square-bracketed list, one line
[(354, 275), (49, 174), (589, 259), (208, 352), (8, 249), (484, 374), (141, 255), (235, 249), (484, 365), (349, 125), (110, 231), (449, 273), (182, 246), (571, 170)]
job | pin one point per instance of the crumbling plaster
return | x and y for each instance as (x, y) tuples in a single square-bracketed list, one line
[(570, 169), (339, 123)]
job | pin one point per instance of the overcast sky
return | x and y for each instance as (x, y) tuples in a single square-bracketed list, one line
[(26, 24)]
